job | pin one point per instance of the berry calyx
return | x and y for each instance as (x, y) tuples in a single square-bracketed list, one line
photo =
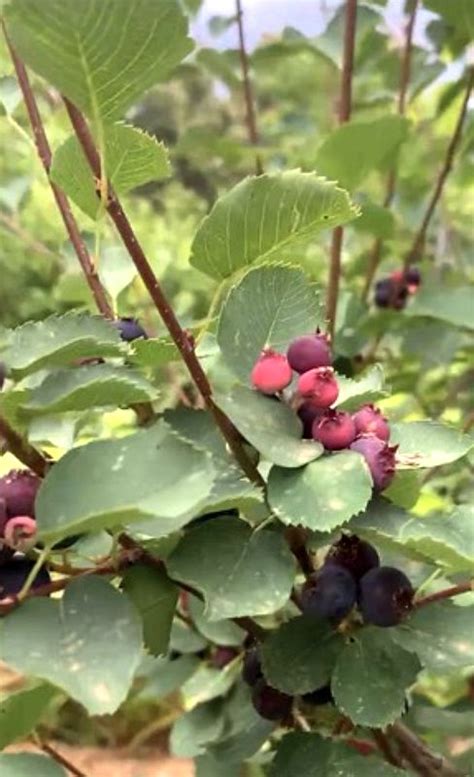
[(271, 372), (270, 703), (319, 697), (385, 597), (354, 554), (252, 670), (319, 385), (14, 573), (330, 593), (309, 351), (18, 492), (129, 329), (20, 533), (379, 456), (307, 413), (369, 420), (335, 430)]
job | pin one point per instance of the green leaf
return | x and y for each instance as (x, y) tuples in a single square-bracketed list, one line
[(185, 639), (322, 495), (238, 571), (154, 352), (207, 766), (428, 444), (155, 597), (21, 712), (269, 306), (222, 632), (312, 756), (29, 765), (376, 220), (371, 678), (440, 634), (131, 158), (458, 15), (446, 539), (369, 387), (59, 340), (116, 272), (93, 385), (450, 304), (263, 217), (10, 95), (243, 744), (208, 683), (165, 676), (272, 427), (300, 655), (104, 65), (68, 643), (195, 730), (404, 489), (109, 483)]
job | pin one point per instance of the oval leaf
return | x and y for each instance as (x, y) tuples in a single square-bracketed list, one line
[(428, 444)]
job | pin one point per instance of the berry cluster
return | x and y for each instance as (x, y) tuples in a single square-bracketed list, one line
[(350, 575), (366, 431), (393, 292)]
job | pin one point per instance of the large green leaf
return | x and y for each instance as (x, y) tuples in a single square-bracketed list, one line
[(428, 444), (223, 632), (131, 158), (309, 755), (29, 765), (68, 643), (446, 539), (453, 305), (21, 712), (300, 655), (155, 597), (193, 731), (208, 683), (322, 495), (441, 634), (458, 15), (368, 387), (94, 385), (272, 427), (239, 572), (165, 676), (265, 218), (353, 150), (371, 678), (268, 307), (59, 340), (150, 474), (102, 54)]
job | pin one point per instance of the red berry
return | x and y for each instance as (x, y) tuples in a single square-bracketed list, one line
[(307, 413), (379, 456), (319, 385), (309, 351), (223, 656), (335, 430), (397, 276), (369, 420), (271, 372)]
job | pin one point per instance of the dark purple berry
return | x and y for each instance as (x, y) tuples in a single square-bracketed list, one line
[(18, 492), (309, 351), (354, 554), (13, 575), (129, 329), (413, 279), (252, 669), (270, 703), (331, 594), (383, 293), (380, 458), (319, 386), (319, 697), (223, 656), (307, 413), (6, 554), (400, 298), (385, 596), (334, 429), (271, 372), (369, 420)]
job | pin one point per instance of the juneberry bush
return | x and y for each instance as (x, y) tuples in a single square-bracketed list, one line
[(236, 439)]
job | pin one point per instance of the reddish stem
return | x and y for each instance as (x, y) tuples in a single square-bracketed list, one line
[(61, 759), (446, 593), (22, 450), (250, 113)]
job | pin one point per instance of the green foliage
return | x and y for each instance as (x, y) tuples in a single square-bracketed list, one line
[(155, 597), (21, 712), (29, 765)]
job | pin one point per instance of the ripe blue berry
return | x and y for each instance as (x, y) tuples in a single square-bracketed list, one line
[(309, 351), (331, 594), (270, 703), (252, 669), (319, 697), (13, 575), (354, 554), (385, 596), (129, 329)]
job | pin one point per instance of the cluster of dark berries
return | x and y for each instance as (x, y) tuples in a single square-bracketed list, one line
[(350, 575), (366, 431), (393, 292)]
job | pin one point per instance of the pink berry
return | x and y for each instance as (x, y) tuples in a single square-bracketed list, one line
[(335, 430), (369, 420), (271, 372), (20, 533), (319, 385), (309, 351), (18, 491), (307, 413), (379, 456)]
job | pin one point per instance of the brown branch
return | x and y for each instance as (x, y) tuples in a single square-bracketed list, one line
[(446, 593), (60, 759), (344, 114), (44, 153), (22, 450), (419, 756), (414, 253), (405, 72), (181, 339), (250, 114), (385, 747)]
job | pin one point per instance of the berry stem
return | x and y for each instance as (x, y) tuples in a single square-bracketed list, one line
[(414, 253), (22, 450), (344, 114), (385, 747), (446, 593), (419, 756), (59, 758), (250, 113)]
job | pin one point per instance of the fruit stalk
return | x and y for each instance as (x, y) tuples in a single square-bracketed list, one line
[(250, 113), (418, 755), (22, 450)]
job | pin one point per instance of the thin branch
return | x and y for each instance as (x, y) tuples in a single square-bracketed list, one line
[(22, 450), (44, 153), (344, 114), (250, 114), (419, 756), (181, 338), (414, 253), (385, 747), (60, 758), (446, 593), (12, 225)]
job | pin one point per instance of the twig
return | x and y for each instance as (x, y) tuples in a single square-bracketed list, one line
[(405, 72), (44, 153), (419, 240), (22, 450), (60, 759), (446, 593), (385, 747), (419, 756), (15, 228), (344, 114), (181, 339), (250, 115)]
